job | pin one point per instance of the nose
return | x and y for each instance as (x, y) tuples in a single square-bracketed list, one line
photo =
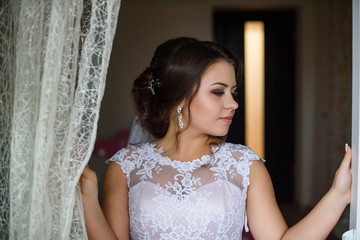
[(230, 103)]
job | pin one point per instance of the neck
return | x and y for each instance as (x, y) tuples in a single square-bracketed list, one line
[(186, 146)]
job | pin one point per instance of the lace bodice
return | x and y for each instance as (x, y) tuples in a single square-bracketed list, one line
[(200, 199)]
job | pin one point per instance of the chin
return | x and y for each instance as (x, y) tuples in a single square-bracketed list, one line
[(221, 133)]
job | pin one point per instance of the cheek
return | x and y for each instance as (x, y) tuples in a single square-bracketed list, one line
[(204, 106)]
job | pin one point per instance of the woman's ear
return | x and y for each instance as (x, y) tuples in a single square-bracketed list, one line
[(182, 104)]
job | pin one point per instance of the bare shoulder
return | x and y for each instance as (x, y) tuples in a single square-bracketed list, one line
[(265, 218), (114, 167), (258, 171), (260, 180), (115, 200), (114, 178)]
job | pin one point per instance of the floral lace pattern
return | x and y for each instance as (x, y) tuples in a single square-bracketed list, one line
[(200, 199)]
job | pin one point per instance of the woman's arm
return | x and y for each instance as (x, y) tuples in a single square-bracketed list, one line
[(115, 200), (95, 222), (266, 221), (264, 216), (111, 222)]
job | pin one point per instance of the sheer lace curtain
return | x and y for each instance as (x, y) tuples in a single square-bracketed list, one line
[(54, 56)]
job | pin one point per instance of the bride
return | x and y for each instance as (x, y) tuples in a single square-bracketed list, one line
[(188, 183)]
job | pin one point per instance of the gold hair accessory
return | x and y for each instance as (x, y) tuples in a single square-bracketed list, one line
[(154, 83)]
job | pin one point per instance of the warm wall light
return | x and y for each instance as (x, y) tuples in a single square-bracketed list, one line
[(254, 86)]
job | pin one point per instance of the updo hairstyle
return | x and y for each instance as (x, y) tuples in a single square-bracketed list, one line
[(177, 66)]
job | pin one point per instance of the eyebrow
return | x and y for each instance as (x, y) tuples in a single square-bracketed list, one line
[(223, 84)]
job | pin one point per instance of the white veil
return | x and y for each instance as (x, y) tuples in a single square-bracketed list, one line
[(138, 134)]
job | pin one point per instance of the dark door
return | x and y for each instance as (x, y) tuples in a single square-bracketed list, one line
[(279, 88)]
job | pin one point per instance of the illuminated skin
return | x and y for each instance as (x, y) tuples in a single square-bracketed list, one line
[(213, 106)]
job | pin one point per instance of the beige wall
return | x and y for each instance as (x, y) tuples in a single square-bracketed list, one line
[(143, 24)]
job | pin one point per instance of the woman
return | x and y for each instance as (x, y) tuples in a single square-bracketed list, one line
[(189, 183)]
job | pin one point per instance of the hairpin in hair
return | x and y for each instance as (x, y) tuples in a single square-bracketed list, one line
[(154, 83)]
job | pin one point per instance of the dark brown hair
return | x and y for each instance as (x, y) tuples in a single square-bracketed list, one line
[(178, 65)]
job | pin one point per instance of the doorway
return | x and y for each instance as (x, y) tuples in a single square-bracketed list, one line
[(279, 27)]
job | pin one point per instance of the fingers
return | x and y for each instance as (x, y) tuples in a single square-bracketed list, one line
[(348, 152), (346, 162), (88, 173), (88, 184)]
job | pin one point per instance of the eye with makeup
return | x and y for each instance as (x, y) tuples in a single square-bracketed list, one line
[(218, 92)]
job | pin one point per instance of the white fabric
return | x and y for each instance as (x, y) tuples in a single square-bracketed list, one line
[(138, 134), (54, 59), (200, 199)]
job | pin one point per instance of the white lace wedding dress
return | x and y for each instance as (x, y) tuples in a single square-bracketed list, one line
[(200, 199)]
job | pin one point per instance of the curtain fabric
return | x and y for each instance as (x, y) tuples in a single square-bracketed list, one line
[(54, 56)]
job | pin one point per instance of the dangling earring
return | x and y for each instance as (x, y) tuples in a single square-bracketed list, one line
[(178, 109)]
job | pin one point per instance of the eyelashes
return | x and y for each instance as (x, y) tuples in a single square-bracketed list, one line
[(221, 92), (218, 92)]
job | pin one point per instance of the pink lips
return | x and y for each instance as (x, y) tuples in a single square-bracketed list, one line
[(227, 119)]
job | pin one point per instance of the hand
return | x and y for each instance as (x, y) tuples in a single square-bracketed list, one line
[(89, 185), (343, 178)]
